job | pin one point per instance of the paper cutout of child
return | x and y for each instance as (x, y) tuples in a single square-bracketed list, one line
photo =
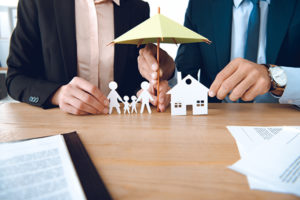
[(133, 104), (126, 104)]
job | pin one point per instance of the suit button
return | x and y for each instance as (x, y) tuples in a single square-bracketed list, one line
[(34, 99)]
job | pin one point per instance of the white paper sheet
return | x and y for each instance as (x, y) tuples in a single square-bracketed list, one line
[(275, 163), (38, 169), (249, 137)]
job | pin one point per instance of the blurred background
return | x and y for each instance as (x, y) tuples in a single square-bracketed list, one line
[(8, 19)]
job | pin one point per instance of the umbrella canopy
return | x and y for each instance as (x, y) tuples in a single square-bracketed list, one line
[(159, 26)]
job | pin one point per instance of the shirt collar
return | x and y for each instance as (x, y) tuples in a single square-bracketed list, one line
[(237, 3), (116, 1)]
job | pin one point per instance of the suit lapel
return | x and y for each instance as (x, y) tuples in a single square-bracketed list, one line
[(280, 13), (122, 24), (222, 20), (66, 28)]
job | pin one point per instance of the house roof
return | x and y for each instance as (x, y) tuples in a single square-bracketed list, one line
[(188, 83)]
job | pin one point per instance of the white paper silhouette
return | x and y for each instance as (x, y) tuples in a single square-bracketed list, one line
[(126, 104), (145, 96), (113, 98), (133, 104), (188, 91)]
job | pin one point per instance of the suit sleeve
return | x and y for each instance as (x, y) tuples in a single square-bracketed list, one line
[(26, 80), (188, 55)]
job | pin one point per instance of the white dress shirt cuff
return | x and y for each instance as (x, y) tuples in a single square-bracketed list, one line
[(291, 93)]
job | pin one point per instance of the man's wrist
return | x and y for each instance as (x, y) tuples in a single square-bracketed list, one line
[(55, 97)]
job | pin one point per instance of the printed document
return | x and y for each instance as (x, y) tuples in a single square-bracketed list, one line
[(275, 162), (38, 169)]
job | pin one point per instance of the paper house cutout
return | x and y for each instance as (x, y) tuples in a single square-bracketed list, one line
[(188, 91)]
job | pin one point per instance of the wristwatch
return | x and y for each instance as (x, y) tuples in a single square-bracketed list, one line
[(278, 79)]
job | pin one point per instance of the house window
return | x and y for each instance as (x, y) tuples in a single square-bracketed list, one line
[(178, 105), (200, 103), (188, 81)]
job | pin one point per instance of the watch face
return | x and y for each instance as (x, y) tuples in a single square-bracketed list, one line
[(279, 76)]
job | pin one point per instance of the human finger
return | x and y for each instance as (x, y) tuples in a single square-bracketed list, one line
[(144, 68), (154, 102), (71, 109), (164, 98), (154, 78), (91, 89), (230, 83), (149, 53), (81, 105), (75, 92), (241, 88), (251, 93), (221, 77)]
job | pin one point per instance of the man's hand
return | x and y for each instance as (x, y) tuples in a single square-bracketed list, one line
[(164, 98), (244, 79), (148, 65), (79, 97)]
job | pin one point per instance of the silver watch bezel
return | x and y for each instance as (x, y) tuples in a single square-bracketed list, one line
[(275, 77)]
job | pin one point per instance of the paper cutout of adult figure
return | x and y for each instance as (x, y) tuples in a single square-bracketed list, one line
[(113, 97), (145, 96)]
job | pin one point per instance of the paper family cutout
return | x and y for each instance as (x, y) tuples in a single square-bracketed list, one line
[(114, 97), (188, 91)]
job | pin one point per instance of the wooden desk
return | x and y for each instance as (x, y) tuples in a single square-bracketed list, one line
[(158, 156)]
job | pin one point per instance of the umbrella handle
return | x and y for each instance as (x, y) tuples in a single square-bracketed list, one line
[(158, 73)]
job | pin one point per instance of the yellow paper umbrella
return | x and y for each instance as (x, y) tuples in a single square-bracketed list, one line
[(159, 29)]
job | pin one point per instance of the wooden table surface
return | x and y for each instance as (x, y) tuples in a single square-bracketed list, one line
[(158, 156)]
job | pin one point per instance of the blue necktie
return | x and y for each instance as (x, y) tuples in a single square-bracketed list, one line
[(253, 33)]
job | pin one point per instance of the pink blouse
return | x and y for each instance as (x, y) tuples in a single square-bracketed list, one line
[(94, 30)]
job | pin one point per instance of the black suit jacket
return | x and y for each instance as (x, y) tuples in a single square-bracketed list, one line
[(213, 20), (43, 52)]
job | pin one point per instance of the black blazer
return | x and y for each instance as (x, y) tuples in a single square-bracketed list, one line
[(213, 18), (43, 52)]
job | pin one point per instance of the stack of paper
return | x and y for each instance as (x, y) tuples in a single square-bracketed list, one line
[(270, 157)]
